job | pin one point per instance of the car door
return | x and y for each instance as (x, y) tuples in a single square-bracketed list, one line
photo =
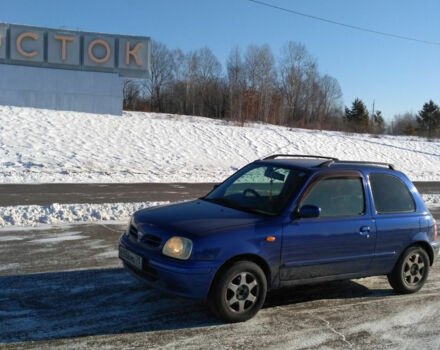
[(341, 241)]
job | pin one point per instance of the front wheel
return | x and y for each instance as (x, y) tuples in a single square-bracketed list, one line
[(239, 292), (411, 271)]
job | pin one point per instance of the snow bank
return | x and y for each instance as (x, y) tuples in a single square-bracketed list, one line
[(432, 200), (39, 146), (31, 215)]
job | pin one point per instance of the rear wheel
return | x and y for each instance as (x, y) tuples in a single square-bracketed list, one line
[(239, 292), (411, 271)]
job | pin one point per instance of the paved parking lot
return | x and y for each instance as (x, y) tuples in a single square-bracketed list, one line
[(63, 288), (46, 194)]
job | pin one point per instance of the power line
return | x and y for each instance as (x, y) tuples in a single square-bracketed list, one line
[(396, 36)]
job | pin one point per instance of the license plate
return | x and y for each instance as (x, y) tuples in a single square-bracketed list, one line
[(130, 257)]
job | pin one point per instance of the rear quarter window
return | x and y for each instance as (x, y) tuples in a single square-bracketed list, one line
[(390, 194)]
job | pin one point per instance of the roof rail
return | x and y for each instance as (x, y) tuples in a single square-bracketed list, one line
[(298, 156), (327, 164)]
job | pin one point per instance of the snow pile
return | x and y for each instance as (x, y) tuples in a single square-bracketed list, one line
[(39, 146), (31, 215), (431, 200)]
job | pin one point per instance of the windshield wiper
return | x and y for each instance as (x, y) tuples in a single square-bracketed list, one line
[(231, 204), (222, 201)]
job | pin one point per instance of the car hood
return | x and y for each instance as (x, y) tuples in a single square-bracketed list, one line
[(196, 218)]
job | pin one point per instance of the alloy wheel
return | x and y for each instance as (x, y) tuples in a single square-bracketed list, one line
[(242, 292), (413, 269)]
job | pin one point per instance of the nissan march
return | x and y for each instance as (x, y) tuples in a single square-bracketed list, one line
[(281, 221)]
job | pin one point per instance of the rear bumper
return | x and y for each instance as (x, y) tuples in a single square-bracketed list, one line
[(436, 248), (182, 278)]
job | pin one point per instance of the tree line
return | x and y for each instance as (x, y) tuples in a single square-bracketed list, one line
[(424, 123), (256, 86)]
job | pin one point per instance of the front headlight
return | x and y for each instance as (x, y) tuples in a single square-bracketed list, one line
[(178, 247)]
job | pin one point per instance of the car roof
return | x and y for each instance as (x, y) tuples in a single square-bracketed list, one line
[(299, 163), (318, 162)]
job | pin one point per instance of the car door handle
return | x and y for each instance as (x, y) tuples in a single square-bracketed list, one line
[(365, 231)]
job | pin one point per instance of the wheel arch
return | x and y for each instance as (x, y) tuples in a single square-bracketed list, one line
[(244, 257), (426, 246)]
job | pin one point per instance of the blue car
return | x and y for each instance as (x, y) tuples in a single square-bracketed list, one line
[(282, 221)]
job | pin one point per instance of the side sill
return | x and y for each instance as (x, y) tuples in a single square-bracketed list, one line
[(314, 280)]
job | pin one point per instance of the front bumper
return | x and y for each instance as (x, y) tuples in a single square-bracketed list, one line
[(436, 248), (183, 278)]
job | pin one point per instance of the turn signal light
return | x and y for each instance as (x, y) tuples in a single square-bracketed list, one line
[(270, 239)]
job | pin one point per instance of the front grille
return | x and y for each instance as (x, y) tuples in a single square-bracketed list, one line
[(151, 240), (147, 238)]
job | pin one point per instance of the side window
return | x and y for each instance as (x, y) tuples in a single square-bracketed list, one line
[(339, 196), (390, 194)]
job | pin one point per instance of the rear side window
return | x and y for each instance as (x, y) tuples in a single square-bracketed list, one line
[(390, 194), (339, 196)]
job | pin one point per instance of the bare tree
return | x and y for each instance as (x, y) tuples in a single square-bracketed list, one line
[(330, 100), (237, 83), (203, 84), (295, 67), (261, 78), (208, 67), (160, 75), (131, 94), (208, 76)]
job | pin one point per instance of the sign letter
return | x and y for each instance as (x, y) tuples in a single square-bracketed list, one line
[(20, 49), (64, 40), (107, 50), (133, 53)]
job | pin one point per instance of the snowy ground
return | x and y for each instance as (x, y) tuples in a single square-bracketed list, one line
[(33, 215), (42, 146)]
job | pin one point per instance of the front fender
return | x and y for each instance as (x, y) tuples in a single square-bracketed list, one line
[(250, 245)]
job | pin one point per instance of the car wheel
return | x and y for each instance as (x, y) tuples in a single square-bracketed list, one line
[(239, 292), (411, 271)]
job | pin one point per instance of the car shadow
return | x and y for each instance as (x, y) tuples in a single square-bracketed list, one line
[(98, 302), (345, 289)]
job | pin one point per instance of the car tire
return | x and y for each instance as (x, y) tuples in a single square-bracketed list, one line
[(239, 292), (411, 271)]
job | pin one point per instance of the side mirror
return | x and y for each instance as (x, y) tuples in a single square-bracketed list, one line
[(308, 212)]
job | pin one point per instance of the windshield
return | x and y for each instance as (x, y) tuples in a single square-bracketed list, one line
[(260, 189)]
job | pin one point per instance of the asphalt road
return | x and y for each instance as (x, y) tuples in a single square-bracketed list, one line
[(46, 194), (63, 288)]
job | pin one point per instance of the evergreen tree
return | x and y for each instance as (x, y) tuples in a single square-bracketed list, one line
[(378, 122), (428, 119), (357, 116)]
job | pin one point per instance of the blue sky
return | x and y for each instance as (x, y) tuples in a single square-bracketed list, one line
[(399, 75)]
